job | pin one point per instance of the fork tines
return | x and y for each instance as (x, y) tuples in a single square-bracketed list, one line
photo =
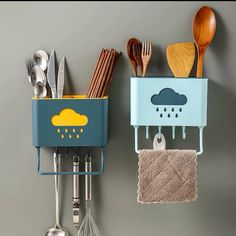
[(29, 65), (146, 55)]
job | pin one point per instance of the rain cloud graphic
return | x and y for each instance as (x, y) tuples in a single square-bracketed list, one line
[(69, 117), (69, 124), (168, 96)]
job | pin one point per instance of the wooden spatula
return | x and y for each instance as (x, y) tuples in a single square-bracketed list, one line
[(180, 57)]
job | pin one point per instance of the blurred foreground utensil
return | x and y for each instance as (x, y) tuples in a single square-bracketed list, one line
[(51, 74), (57, 229), (146, 55), (88, 226), (61, 78), (180, 57), (204, 27), (41, 59)]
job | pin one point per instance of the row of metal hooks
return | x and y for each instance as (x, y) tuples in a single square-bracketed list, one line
[(136, 128)]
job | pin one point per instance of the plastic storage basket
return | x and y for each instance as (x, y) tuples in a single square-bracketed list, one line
[(168, 101), (71, 121)]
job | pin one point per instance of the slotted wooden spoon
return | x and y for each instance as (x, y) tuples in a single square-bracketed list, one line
[(180, 57), (130, 46)]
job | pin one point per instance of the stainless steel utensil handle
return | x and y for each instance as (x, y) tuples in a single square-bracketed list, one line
[(88, 179), (56, 164), (76, 178), (54, 92), (75, 194)]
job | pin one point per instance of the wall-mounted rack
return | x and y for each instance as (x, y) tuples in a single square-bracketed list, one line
[(168, 101), (73, 121)]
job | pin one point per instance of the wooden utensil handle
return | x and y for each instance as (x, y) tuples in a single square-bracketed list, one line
[(144, 69), (135, 68), (200, 63), (96, 79), (109, 74), (114, 67), (97, 68), (104, 74)]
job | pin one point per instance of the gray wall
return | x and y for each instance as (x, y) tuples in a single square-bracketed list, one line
[(79, 30)]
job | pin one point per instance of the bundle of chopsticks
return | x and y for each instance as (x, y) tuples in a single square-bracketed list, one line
[(103, 72)]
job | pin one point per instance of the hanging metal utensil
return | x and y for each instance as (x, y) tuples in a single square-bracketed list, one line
[(76, 194), (57, 229), (88, 225)]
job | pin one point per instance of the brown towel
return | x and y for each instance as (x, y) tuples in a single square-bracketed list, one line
[(167, 176)]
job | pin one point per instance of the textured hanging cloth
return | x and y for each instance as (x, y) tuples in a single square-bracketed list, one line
[(167, 176)]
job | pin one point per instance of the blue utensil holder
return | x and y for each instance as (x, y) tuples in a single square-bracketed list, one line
[(73, 121), (169, 101)]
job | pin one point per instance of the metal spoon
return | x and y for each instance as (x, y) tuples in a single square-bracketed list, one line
[(41, 59), (57, 229), (37, 75), (204, 27), (40, 90)]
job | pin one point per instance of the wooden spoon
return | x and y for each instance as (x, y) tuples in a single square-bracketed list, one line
[(131, 56), (204, 27), (180, 57), (137, 49)]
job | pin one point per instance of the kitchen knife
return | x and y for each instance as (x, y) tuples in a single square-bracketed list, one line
[(51, 75), (61, 78)]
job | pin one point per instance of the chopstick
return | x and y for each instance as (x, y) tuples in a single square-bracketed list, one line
[(95, 72), (102, 75), (106, 88), (103, 72)]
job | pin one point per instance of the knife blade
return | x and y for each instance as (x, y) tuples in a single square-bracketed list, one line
[(61, 78), (52, 75)]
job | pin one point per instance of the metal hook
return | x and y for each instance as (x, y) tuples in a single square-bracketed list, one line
[(159, 132), (136, 127), (173, 132), (147, 132), (200, 140), (183, 132), (99, 172)]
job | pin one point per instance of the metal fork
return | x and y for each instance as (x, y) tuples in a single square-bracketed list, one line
[(146, 55), (29, 63)]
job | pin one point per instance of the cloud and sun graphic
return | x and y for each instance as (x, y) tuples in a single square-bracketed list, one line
[(69, 123)]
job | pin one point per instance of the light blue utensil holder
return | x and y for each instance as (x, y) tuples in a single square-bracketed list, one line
[(73, 121), (169, 101)]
